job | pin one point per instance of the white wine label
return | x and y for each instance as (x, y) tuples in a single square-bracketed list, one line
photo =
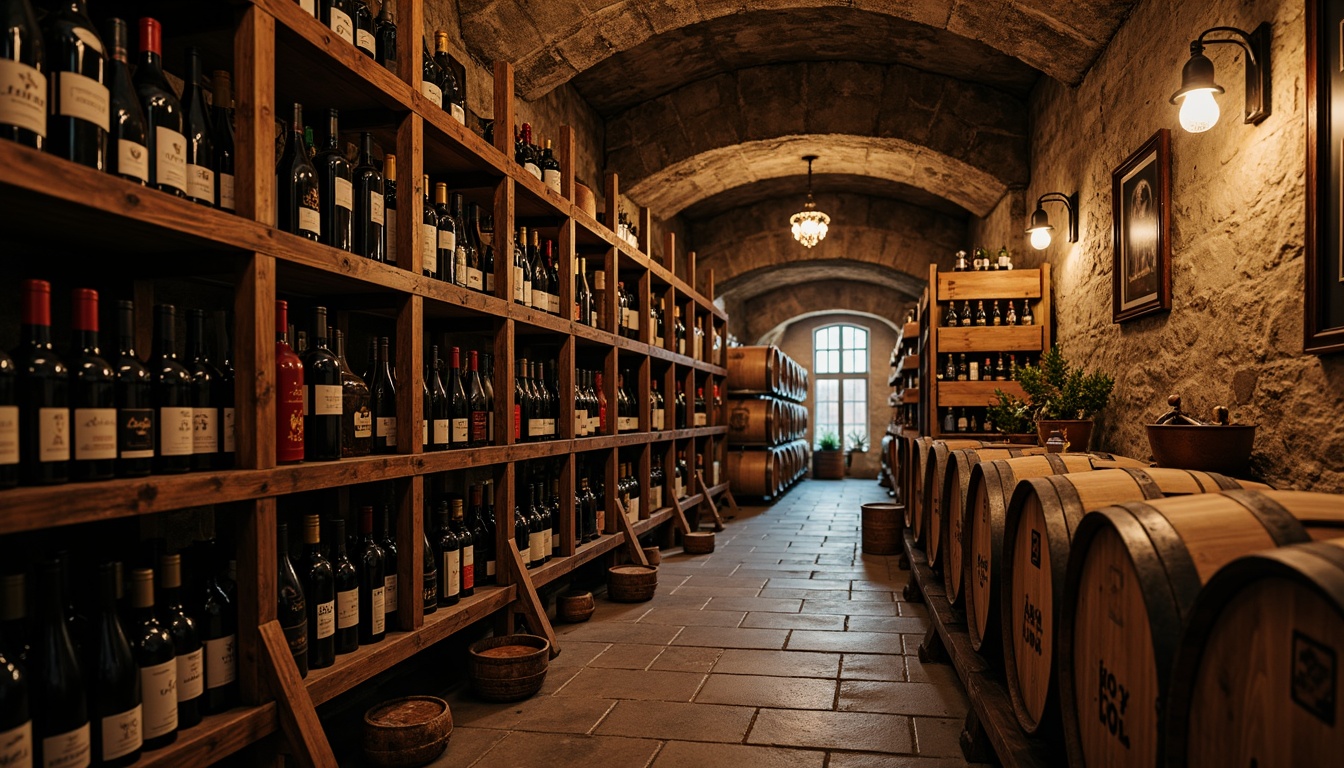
[(432, 92), (347, 608), (53, 430), (363, 420), (158, 688), (221, 661), (452, 573), (377, 208), (548, 427), (387, 430), (70, 749), (535, 545), (460, 430), (310, 6), (326, 399), (342, 25), (634, 320), (200, 183), (580, 423), (460, 265), (553, 303), (190, 675), (625, 423), (227, 429), (533, 169), (659, 418), (552, 180), (715, 480), (310, 220), (390, 592), (656, 497), (475, 279), (205, 430), (448, 241), (442, 431), (490, 568), (429, 252), (518, 284), (9, 439), (95, 434), (527, 292), (699, 419), (459, 114), (364, 39), (132, 159), (390, 237), (171, 153), (226, 191), (379, 612), (490, 282), (16, 746), (23, 97), (120, 734), (345, 194), (534, 428), (326, 619), (84, 98)]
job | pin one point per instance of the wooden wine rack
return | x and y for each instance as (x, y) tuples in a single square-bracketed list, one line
[(281, 55)]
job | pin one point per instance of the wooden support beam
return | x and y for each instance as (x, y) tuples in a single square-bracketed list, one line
[(298, 716), (612, 190), (632, 547), (708, 499), (529, 603), (255, 113), (257, 565)]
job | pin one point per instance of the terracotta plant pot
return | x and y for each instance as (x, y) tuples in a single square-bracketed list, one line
[(828, 465), (1026, 438), (1077, 432)]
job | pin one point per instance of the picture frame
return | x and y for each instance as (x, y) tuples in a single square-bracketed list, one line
[(1141, 230), (1323, 329)]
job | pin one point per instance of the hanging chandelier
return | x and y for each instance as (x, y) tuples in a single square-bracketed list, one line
[(809, 225)]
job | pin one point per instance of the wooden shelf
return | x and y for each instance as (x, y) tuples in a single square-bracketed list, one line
[(1003, 338), (972, 286), (214, 738), (975, 394)]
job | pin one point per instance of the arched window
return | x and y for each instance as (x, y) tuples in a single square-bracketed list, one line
[(840, 368)]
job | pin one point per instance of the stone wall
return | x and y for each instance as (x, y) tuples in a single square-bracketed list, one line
[(1234, 334), (797, 343)]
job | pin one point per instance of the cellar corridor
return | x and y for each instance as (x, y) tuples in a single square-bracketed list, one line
[(785, 647)]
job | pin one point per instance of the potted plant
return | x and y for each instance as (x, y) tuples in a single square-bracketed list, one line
[(1012, 418), (857, 442), (828, 461), (1062, 397)]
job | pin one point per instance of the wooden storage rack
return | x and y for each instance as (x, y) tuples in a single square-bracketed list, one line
[(279, 55)]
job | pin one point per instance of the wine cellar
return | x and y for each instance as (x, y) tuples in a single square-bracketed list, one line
[(568, 384)]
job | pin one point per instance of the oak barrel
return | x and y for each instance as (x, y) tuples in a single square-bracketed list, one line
[(508, 667), (407, 732), (1260, 669), (987, 493), (632, 583), (755, 369), (749, 472), (948, 519), (1134, 572), (754, 422), (1043, 514), (881, 528), (926, 473)]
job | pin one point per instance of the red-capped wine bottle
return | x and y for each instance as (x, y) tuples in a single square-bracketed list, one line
[(172, 396), (346, 579), (476, 402), (163, 114), (289, 436), (23, 115), (42, 390), (114, 687), (9, 423), (292, 608), (322, 401), (459, 408), (467, 546), (205, 385), (152, 646), (93, 403), (221, 120), (136, 416), (201, 184), (78, 99), (370, 217), (127, 146), (189, 654), (296, 188), (319, 587), (372, 587), (58, 699), (336, 192)]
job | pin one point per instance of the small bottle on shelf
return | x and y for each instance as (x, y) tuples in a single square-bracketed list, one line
[(965, 315), (962, 424), (949, 423), (1027, 318), (959, 266), (980, 318), (996, 316), (1012, 315), (963, 371), (974, 371)]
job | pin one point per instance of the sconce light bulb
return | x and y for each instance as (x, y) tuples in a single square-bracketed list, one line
[(1040, 239), (1199, 111)]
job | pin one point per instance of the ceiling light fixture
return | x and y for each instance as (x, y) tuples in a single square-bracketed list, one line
[(809, 225), (1199, 108), (1040, 228)]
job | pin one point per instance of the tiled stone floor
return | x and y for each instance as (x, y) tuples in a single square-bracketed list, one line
[(785, 647)]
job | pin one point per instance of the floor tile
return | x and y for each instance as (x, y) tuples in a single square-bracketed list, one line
[(686, 617), (761, 691), (801, 594), (938, 737), (735, 603), (714, 592), (544, 750), (557, 678), (723, 637), (543, 713), (682, 754), (765, 619), (832, 730), (786, 583), (466, 746), (938, 674), (869, 760), (687, 659), (914, 609), (737, 582), (611, 632), (778, 663), (872, 666), (627, 656), (577, 653), (849, 607), (845, 642), (633, 684), (873, 596), (677, 720), (897, 624), (901, 698)]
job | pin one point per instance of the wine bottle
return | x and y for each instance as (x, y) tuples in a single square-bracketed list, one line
[(155, 655), (449, 553), (522, 271), (339, 16), (476, 405), (164, 119), (466, 550), (364, 37), (217, 623), (319, 587), (475, 523), (541, 279), (387, 539), (221, 120), (42, 388), (114, 688), (601, 404), (323, 396), (79, 100), (336, 191), (488, 523), (58, 700), (437, 413), (9, 424), (426, 409), (189, 655), (701, 413), (429, 583), (289, 402), (459, 407), (390, 207), (536, 528), (172, 396), (487, 381), (346, 579), (128, 153), (486, 252), (370, 217), (296, 186), (462, 259), (447, 235), (385, 34), (384, 398), (530, 161), (356, 417), (583, 296), (431, 77), (224, 391), (429, 234), (23, 115), (454, 102), (200, 134), (372, 586), (292, 608), (204, 395), (93, 400)]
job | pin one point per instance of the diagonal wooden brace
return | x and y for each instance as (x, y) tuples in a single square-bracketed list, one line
[(529, 603), (713, 508), (632, 547), (298, 716)]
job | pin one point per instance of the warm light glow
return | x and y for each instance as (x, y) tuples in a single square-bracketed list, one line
[(1040, 239), (1199, 110), (809, 226)]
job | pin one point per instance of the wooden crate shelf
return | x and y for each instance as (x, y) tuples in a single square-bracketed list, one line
[(1013, 338), (975, 394), (973, 286)]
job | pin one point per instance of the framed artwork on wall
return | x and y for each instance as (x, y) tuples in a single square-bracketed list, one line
[(1141, 229), (1324, 305)]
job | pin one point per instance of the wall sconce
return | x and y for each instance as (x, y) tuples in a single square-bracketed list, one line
[(1040, 228), (1199, 108)]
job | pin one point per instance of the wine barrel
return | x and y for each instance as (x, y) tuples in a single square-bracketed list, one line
[(948, 518), (749, 472), (933, 463), (1259, 671), (1134, 572), (754, 422), (754, 369), (777, 470), (913, 509), (1042, 516), (991, 484)]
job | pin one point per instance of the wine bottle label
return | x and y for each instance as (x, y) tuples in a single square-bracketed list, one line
[(430, 253), (580, 423), (70, 749), (538, 299), (534, 542), (659, 418), (9, 442), (200, 183), (171, 152), (387, 430), (227, 429), (390, 592), (310, 6), (342, 25), (460, 265), (448, 242), (378, 614), (553, 299), (656, 497), (432, 92), (479, 424), (390, 235), (634, 321), (535, 428), (364, 39), (475, 279), (345, 194), (490, 569), (120, 733), (221, 662), (310, 220), (158, 687), (326, 400), (83, 98), (190, 675), (296, 637), (700, 419), (517, 422), (377, 208), (552, 180), (459, 114), (468, 567), (490, 282), (548, 425), (551, 541), (461, 431), (442, 431), (23, 97), (53, 430), (363, 421), (95, 434), (429, 591), (347, 608), (133, 160), (533, 169), (205, 430), (226, 191), (451, 573), (326, 619), (16, 746), (518, 285)]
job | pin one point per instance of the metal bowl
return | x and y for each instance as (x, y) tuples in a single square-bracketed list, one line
[(1213, 448)]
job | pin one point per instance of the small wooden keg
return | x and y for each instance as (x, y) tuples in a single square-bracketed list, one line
[(575, 607), (697, 543), (508, 667), (632, 583), (408, 732), (881, 528)]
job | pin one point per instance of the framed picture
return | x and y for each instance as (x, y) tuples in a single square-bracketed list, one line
[(1324, 305), (1141, 223)]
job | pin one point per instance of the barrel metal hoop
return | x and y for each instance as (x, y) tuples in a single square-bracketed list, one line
[(1224, 482), (1056, 463), (1171, 549), (1279, 523), (1147, 485)]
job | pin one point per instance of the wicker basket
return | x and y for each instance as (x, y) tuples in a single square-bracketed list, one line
[(509, 667), (632, 583), (408, 732), (575, 607), (698, 543)]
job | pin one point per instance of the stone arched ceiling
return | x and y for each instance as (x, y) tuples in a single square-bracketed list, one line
[(795, 188), (751, 39), (747, 286), (770, 314), (551, 41)]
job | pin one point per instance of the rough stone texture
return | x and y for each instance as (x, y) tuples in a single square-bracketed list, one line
[(795, 187), (765, 318), (960, 141), (554, 41), (1234, 335)]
